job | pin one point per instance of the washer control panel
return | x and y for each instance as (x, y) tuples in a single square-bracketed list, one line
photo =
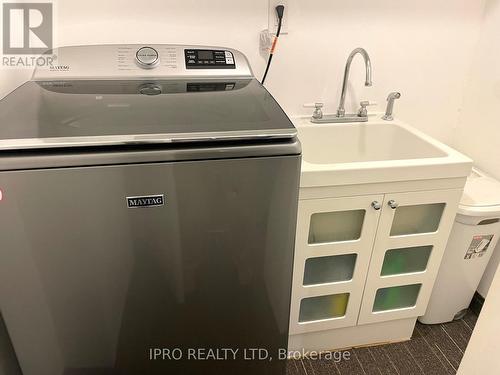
[(147, 57), (209, 59), (141, 61)]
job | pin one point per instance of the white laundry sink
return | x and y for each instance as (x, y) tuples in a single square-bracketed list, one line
[(372, 152)]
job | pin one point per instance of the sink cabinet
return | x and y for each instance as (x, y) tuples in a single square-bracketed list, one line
[(367, 259), (377, 202), (408, 248), (334, 236)]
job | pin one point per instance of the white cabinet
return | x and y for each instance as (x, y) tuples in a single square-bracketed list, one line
[(332, 252), (367, 259), (409, 245)]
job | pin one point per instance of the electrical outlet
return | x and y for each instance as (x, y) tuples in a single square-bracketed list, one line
[(273, 18)]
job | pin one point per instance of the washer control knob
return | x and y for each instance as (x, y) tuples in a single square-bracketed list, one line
[(150, 89), (147, 57)]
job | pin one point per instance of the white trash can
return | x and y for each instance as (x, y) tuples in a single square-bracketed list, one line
[(471, 243)]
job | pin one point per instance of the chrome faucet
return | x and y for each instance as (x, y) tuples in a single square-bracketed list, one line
[(368, 79), (390, 106), (362, 115)]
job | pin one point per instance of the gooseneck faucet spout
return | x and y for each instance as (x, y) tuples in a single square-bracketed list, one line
[(368, 79)]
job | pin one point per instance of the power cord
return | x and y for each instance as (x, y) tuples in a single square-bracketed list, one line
[(280, 10)]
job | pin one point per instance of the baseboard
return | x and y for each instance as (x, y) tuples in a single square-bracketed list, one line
[(349, 337)]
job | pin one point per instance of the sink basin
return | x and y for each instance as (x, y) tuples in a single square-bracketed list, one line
[(372, 152), (362, 143)]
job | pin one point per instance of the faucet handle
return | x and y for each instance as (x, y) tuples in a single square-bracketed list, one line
[(318, 113), (318, 105), (363, 112)]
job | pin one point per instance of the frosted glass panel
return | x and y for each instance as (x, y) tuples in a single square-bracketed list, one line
[(336, 226), (396, 297), (422, 218), (406, 260), (323, 307), (329, 269)]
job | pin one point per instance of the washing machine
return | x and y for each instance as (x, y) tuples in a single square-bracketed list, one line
[(148, 199)]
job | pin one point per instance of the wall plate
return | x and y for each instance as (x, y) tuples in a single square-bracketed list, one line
[(273, 18)]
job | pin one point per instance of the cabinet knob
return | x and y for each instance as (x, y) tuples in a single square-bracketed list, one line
[(393, 204), (376, 205)]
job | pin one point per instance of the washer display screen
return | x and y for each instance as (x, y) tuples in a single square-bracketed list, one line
[(205, 55)]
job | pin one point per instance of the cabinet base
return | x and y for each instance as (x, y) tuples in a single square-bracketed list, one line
[(348, 337)]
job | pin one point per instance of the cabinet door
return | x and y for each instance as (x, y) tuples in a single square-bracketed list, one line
[(332, 252), (409, 245)]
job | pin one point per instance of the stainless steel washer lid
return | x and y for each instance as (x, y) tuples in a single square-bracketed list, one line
[(76, 113)]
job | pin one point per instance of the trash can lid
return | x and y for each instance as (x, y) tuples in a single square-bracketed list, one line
[(481, 195)]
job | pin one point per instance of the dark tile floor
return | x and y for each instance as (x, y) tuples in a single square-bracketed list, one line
[(433, 350)]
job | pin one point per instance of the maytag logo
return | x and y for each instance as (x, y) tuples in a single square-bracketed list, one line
[(146, 201), (59, 68)]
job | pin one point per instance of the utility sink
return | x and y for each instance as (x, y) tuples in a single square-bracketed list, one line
[(373, 152), (363, 143)]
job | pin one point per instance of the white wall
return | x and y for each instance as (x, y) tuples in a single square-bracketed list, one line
[(481, 356), (421, 48), (478, 132)]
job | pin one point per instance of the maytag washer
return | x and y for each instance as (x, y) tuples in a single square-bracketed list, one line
[(148, 199)]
